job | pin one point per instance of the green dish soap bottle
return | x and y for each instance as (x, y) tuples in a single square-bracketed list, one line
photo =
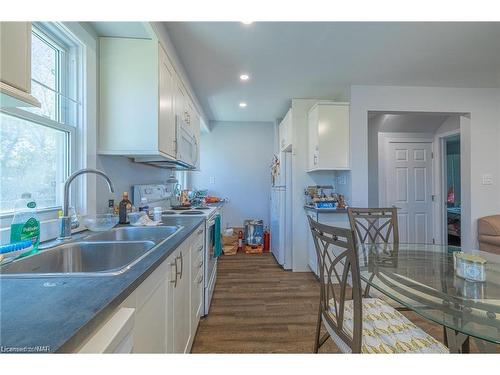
[(25, 224)]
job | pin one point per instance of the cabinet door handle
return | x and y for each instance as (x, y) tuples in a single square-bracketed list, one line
[(200, 264), (174, 264), (200, 248), (200, 279), (182, 265)]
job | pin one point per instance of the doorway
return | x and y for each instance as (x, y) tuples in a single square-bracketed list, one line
[(405, 151), (451, 182), (406, 173)]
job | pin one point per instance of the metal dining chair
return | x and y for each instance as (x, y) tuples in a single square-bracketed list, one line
[(374, 225), (354, 323)]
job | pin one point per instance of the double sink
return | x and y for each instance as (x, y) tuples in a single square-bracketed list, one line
[(102, 254)]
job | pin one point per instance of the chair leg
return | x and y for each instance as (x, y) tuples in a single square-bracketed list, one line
[(402, 308), (318, 329)]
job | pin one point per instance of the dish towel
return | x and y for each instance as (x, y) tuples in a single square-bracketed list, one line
[(217, 235)]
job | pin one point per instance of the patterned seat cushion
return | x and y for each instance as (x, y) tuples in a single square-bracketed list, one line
[(385, 330)]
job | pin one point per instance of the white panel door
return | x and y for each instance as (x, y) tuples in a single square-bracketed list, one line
[(409, 187)]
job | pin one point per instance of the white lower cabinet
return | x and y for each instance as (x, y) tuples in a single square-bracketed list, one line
[(162, 314), (181, 318), (150, 323), (197, 266), (115, 336)]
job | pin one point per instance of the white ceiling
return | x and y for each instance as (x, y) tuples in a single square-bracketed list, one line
[(121, 29), (407, 122), (321, 60)]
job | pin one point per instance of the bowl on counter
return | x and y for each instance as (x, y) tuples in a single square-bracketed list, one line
[(99, 223)]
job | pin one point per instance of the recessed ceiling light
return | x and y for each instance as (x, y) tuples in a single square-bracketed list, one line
[(246, 22), (243, 105), (244, 77)]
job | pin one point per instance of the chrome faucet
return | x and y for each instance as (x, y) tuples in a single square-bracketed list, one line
[(66, 219)]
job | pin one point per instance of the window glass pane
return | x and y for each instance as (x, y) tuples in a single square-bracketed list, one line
[(32, 159), (47, 98), (43, 62), (44, 72)]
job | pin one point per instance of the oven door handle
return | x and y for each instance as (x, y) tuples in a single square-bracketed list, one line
[(212, 222)]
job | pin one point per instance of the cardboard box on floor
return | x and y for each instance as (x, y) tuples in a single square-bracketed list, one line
[(230, 242)]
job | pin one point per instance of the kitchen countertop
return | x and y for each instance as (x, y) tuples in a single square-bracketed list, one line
[(326, 210), (56, 314)]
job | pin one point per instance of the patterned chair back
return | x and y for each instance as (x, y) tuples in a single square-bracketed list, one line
[(338, 265), (374, 225)]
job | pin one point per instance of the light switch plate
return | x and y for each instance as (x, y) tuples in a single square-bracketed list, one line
[(487, 179)]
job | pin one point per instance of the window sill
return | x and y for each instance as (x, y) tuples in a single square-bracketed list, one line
[(41, 213)]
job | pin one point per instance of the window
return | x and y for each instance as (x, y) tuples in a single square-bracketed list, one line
[(38, 145)]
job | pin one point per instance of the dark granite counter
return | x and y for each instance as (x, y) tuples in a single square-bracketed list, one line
[(57, 314)]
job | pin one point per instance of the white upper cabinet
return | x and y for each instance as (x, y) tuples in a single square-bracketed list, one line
[(143, 103), (285, 132), (131, 98), (15, 65), (329, 136), (166, 121), (196, 124)]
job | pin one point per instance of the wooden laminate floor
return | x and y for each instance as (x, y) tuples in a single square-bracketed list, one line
[(258, 307)]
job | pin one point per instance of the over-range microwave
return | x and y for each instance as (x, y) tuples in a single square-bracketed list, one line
[(187, 150)]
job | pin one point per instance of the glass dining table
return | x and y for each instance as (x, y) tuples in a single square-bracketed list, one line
[(422, 278)]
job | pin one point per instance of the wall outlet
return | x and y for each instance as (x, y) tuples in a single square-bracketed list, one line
[(211, 180), (487, 179), (341, 180)]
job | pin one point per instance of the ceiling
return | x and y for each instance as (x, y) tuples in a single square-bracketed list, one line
[(321, 60), (121, 29), (407, 121)]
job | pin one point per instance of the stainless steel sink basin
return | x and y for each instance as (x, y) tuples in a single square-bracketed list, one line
[(80, 259), (155, 234)]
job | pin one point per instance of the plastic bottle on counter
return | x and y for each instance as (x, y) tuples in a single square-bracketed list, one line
[(25, 224), (157, 213), (143, 206), (124, 208)]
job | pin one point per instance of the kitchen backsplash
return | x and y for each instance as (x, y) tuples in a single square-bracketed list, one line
[(341, 181), (124, 173)]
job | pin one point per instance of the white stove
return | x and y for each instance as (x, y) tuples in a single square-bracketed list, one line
[(159, 196)]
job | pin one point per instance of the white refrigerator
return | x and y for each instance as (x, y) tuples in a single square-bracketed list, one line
[(281, 213)]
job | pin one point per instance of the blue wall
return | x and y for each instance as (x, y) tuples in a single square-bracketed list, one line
[(237, 156)]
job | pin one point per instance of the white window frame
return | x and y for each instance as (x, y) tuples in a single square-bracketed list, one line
[(77, 134)]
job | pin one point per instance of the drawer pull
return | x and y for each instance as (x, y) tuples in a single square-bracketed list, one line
[(182, 265), (174, 264), (200, 231), (200, 248), (200, 264), (200, 279)]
